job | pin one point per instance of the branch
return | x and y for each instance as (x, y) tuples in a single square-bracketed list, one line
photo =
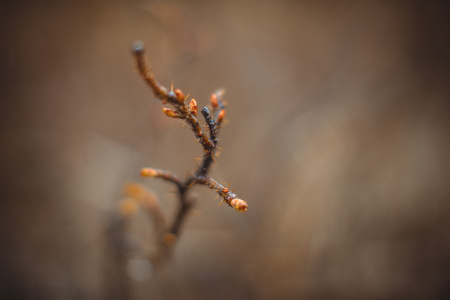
[(177, 106)]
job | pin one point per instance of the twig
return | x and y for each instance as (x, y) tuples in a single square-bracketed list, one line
[(178, 107)]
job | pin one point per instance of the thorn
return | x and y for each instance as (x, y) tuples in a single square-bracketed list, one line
[(171, 86), (192, 184), (221, 202)]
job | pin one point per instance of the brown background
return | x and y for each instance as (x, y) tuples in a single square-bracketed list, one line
[(337, 137)]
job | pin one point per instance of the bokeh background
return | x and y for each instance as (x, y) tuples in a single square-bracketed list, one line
[(337, 136)]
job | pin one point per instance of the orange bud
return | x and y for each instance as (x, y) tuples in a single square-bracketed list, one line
[(221, 116), (179, 95), (135, 191), (193, 107), (128, 207), (169, 239), (239, 204), (214, 101), (149, 172), (171, 113)]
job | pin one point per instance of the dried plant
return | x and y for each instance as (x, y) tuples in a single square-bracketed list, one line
[(176, 105)]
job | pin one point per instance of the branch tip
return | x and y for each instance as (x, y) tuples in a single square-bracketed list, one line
[(138, 47), (239, 204), (149, 172)]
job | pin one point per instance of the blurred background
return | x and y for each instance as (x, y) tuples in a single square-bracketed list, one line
[(337, 137)]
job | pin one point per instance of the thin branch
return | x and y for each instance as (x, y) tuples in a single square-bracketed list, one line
[(229, 197), (166, 175), (144, 70)]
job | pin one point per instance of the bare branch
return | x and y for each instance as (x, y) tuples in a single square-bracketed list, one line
[(185, 110)]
